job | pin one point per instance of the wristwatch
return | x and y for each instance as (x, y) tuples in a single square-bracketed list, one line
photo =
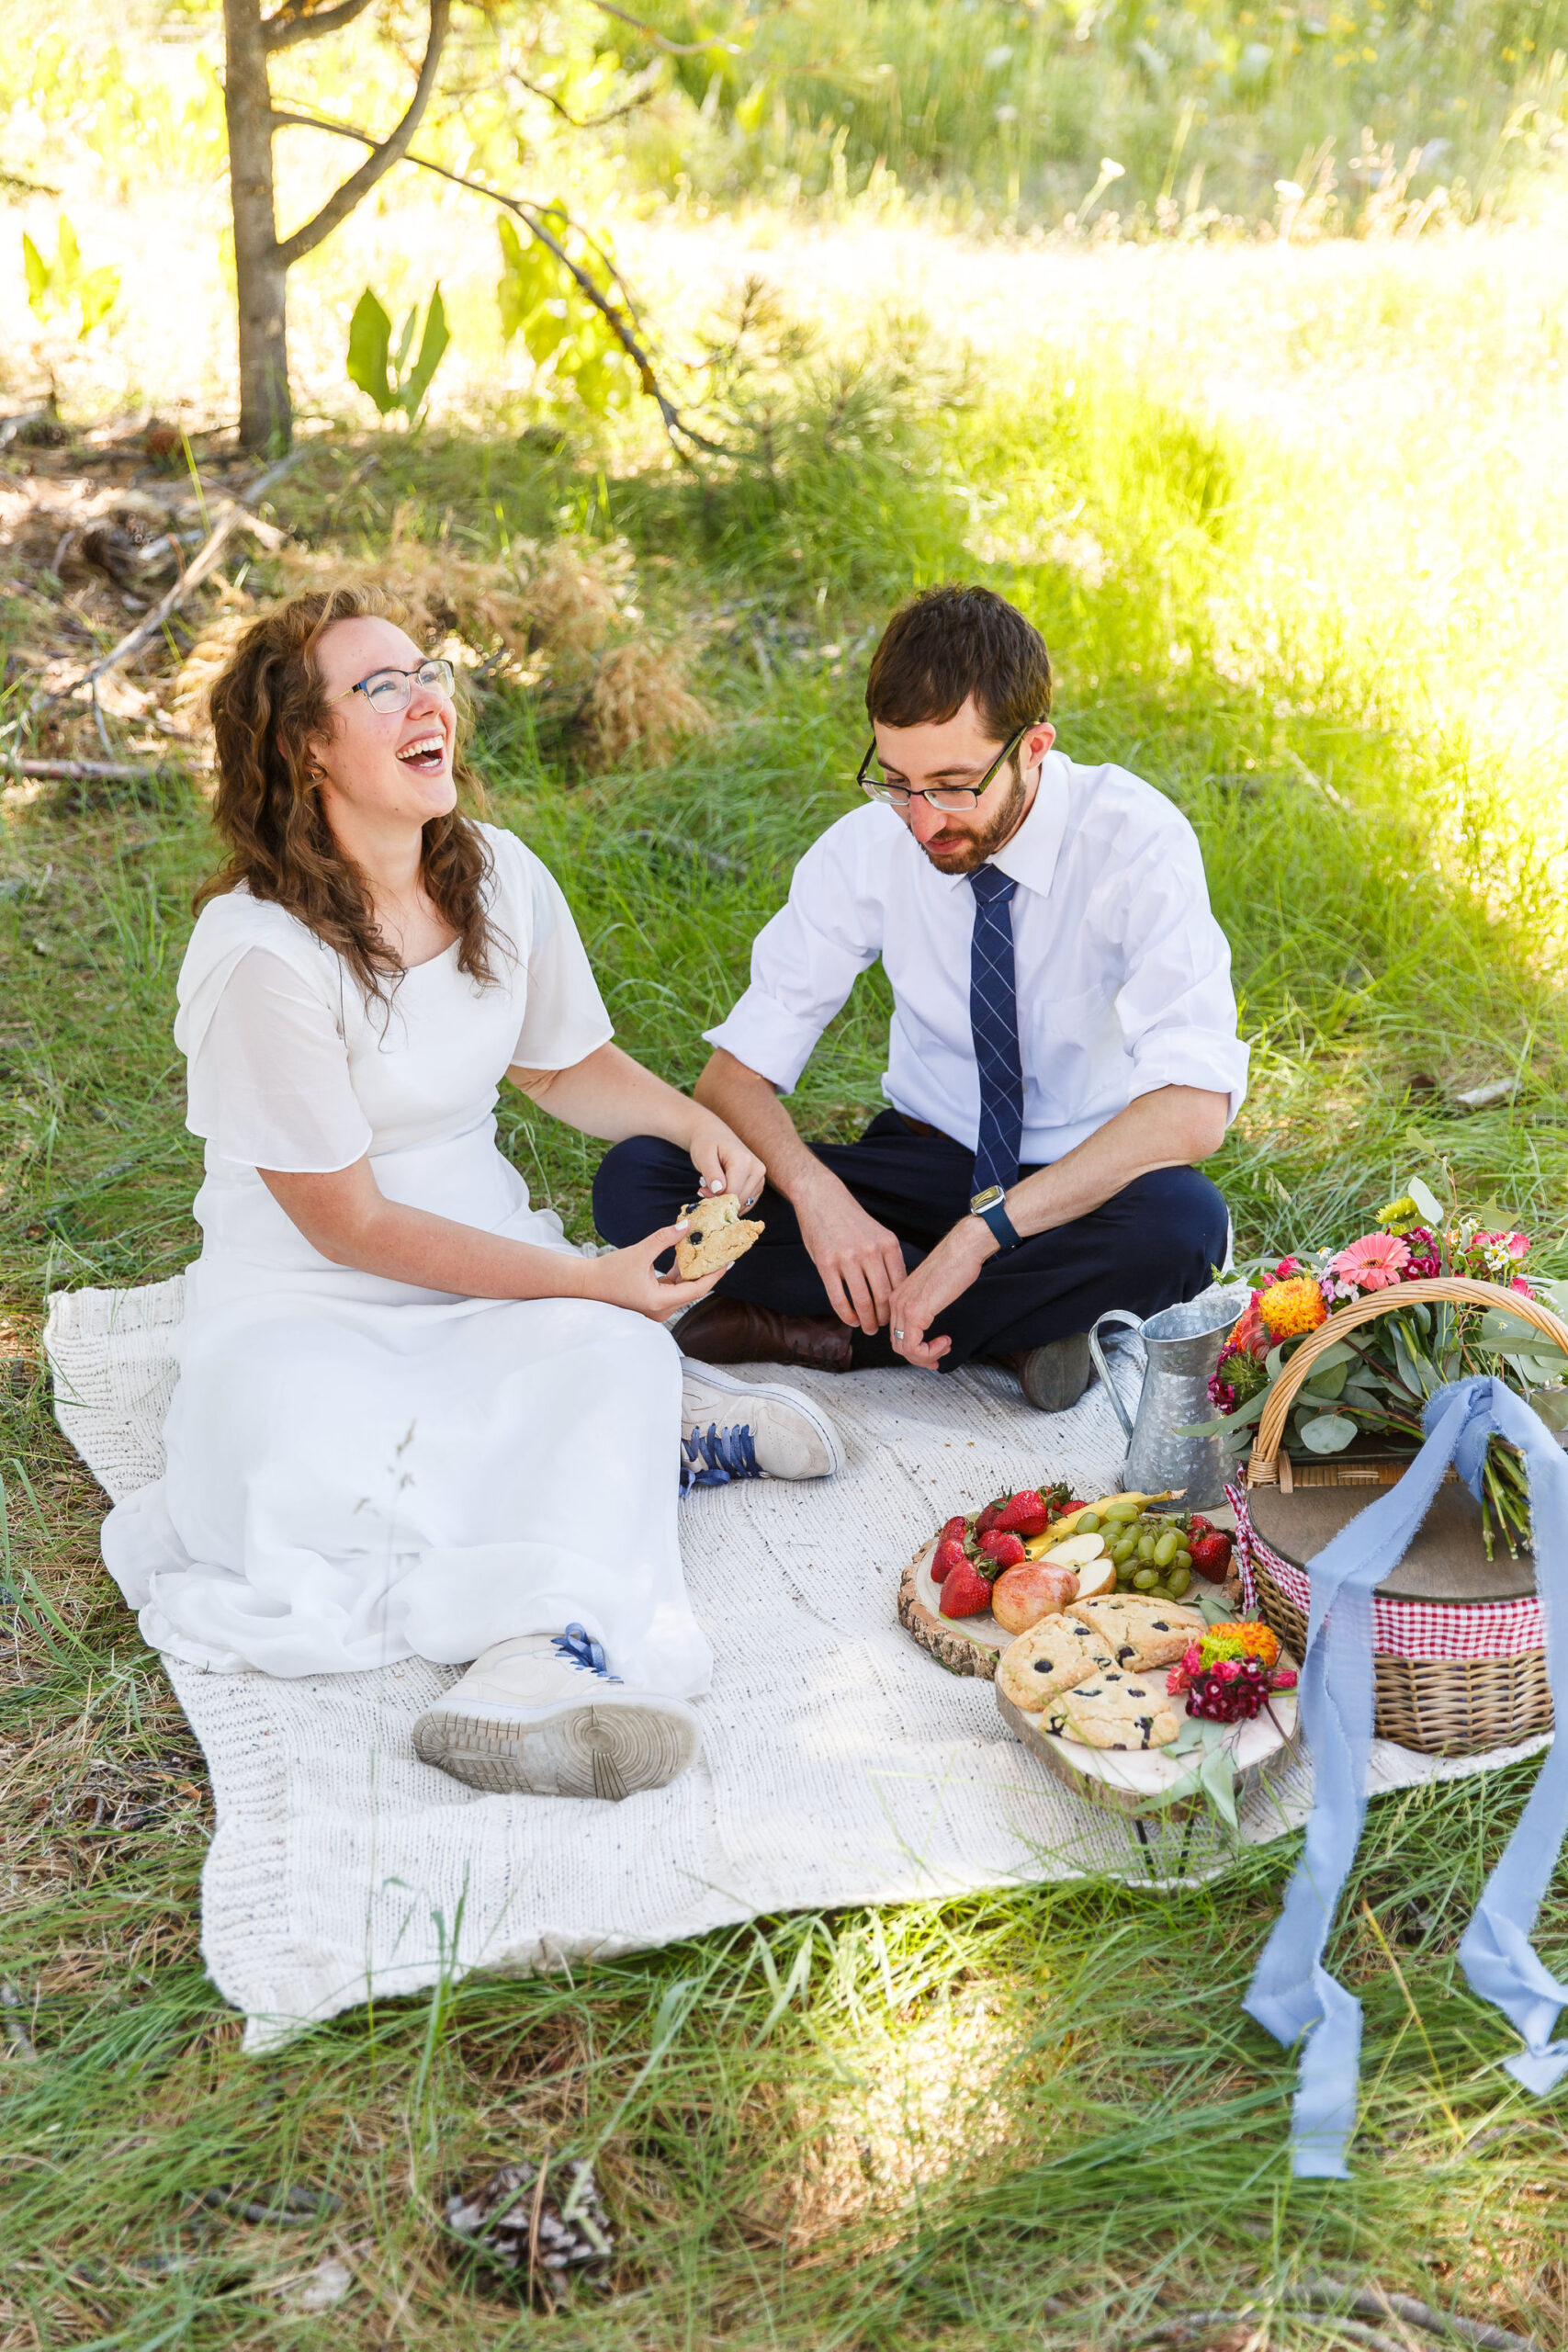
[(990, 1206)]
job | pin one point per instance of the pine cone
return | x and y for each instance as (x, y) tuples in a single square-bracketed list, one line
[(494, 2221)]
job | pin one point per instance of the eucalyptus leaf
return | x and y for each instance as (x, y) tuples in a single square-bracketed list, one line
[(1329, 1433), (1218, 1784), (1328, 1385), (1429, 1207), (1501, 1330), (1551, 1403)]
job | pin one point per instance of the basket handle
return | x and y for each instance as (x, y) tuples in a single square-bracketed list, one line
[(1455, 1290)]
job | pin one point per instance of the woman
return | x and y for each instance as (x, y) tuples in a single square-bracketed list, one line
[(412, 1417)]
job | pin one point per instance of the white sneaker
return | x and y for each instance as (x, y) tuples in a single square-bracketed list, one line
[(541, 1713), (741, 1429)]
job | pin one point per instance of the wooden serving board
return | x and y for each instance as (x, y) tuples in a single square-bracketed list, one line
[(964, 1645), (972, 1645), (1137, 1781)]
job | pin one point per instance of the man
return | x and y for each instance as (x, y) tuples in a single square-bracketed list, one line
[(1063, 1048)]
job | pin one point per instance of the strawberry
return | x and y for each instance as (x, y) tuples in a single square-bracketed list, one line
[(989, 1518), (950, 1555), (1026, 1515), (965, 1593), (1212, 1555), (1003, 1548), (955, 1529), (1199, 1525)]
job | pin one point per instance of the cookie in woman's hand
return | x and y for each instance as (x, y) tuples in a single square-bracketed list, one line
[(717, 1234)]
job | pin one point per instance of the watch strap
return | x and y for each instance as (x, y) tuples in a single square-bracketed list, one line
[(995, 1215)]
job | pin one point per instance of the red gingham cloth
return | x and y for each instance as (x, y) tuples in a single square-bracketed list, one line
[(1411, 1629)]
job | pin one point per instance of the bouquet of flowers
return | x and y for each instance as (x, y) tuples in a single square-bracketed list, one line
[(1376, 1380)]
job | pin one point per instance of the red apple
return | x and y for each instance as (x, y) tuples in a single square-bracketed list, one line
[(1025, 1594)]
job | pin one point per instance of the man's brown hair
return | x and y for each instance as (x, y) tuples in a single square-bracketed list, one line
[(946, 644), (268, 706)]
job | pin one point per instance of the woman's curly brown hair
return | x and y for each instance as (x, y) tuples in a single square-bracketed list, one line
[(268, 703)]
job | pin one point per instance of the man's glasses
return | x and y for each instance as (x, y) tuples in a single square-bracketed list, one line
[(944, 797), (391, 690)]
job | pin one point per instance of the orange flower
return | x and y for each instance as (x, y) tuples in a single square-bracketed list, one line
[(1291, 1309)]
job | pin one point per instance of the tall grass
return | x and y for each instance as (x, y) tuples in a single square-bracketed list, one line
[(976, 2124)]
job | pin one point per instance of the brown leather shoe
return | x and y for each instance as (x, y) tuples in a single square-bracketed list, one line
[(734, 1330)]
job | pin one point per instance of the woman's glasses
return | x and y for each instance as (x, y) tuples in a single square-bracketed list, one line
[(945, 796), (391, 690)]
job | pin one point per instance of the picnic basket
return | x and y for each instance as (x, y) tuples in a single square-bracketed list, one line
[(1457, 1643)]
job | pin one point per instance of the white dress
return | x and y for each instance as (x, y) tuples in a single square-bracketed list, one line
[(359, 1471)]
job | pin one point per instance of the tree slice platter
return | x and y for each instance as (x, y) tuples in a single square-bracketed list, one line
[(972, 1645), (1137, 1781), (964, 1645)]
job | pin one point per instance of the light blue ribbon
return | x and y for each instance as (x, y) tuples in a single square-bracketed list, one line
[(1292, 1993)]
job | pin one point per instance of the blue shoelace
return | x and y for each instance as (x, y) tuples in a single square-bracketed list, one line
[(579, 1648), (714, 1456)]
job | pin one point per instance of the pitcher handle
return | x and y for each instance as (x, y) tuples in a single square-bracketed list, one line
[(1112, 1314)]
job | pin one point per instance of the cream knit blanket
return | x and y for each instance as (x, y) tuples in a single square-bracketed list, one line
[(842, 1765)]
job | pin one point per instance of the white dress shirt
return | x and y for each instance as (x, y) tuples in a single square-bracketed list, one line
[(1123, 973)]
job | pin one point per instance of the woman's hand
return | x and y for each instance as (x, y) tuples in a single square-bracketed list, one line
[(625, 1278), (723, 1162)]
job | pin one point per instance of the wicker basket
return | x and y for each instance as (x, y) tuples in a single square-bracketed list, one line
[(1452, 1675)]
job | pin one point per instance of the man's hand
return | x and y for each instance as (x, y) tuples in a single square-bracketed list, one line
[(860, 1262), (936, 1282)]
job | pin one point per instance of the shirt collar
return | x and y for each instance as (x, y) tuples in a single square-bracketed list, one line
[(1029, 858)]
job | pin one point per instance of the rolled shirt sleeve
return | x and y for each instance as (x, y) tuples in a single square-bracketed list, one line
[(1176, 1005), (806, 959)]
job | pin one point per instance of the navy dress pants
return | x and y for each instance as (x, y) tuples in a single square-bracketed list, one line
[(1151, 1246)]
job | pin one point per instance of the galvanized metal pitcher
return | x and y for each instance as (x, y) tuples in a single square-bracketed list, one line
[(1183, 1347)]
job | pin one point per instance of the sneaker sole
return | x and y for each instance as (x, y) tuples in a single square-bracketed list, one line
[(603, 1747), (717, 1378)]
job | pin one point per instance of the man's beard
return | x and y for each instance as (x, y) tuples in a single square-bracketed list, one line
[(977, 848)]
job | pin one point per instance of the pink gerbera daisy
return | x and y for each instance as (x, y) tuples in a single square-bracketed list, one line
[(1372, 1264)]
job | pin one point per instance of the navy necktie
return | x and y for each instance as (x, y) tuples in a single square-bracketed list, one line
[(993, 1019)]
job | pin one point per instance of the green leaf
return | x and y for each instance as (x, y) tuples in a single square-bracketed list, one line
[(68, 255), (1429, 1207), (399, 359), (1327, 1433), (513, 294), (38, 273), (370, 341), (1326, 1384), (433, 343), (1219, 1783), (1551, 1403), (96, 298)]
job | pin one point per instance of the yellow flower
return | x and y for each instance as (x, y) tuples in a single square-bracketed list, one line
[(1400, 1214), (1291, 1309)]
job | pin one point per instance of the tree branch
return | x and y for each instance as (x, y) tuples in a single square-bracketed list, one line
[(383, 156), (531, 214), (586, 122), (291, 23), (673, 48)]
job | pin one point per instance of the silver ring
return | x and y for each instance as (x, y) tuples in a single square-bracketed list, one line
[(896, 1333)]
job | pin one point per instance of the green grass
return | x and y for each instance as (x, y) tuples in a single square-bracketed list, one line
[(984, 2123)]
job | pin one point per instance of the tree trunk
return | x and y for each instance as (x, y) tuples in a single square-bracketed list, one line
[(260, 272)]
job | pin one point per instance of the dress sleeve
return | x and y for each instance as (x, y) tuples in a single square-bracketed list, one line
[(269, 1084), (564, 1018)]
